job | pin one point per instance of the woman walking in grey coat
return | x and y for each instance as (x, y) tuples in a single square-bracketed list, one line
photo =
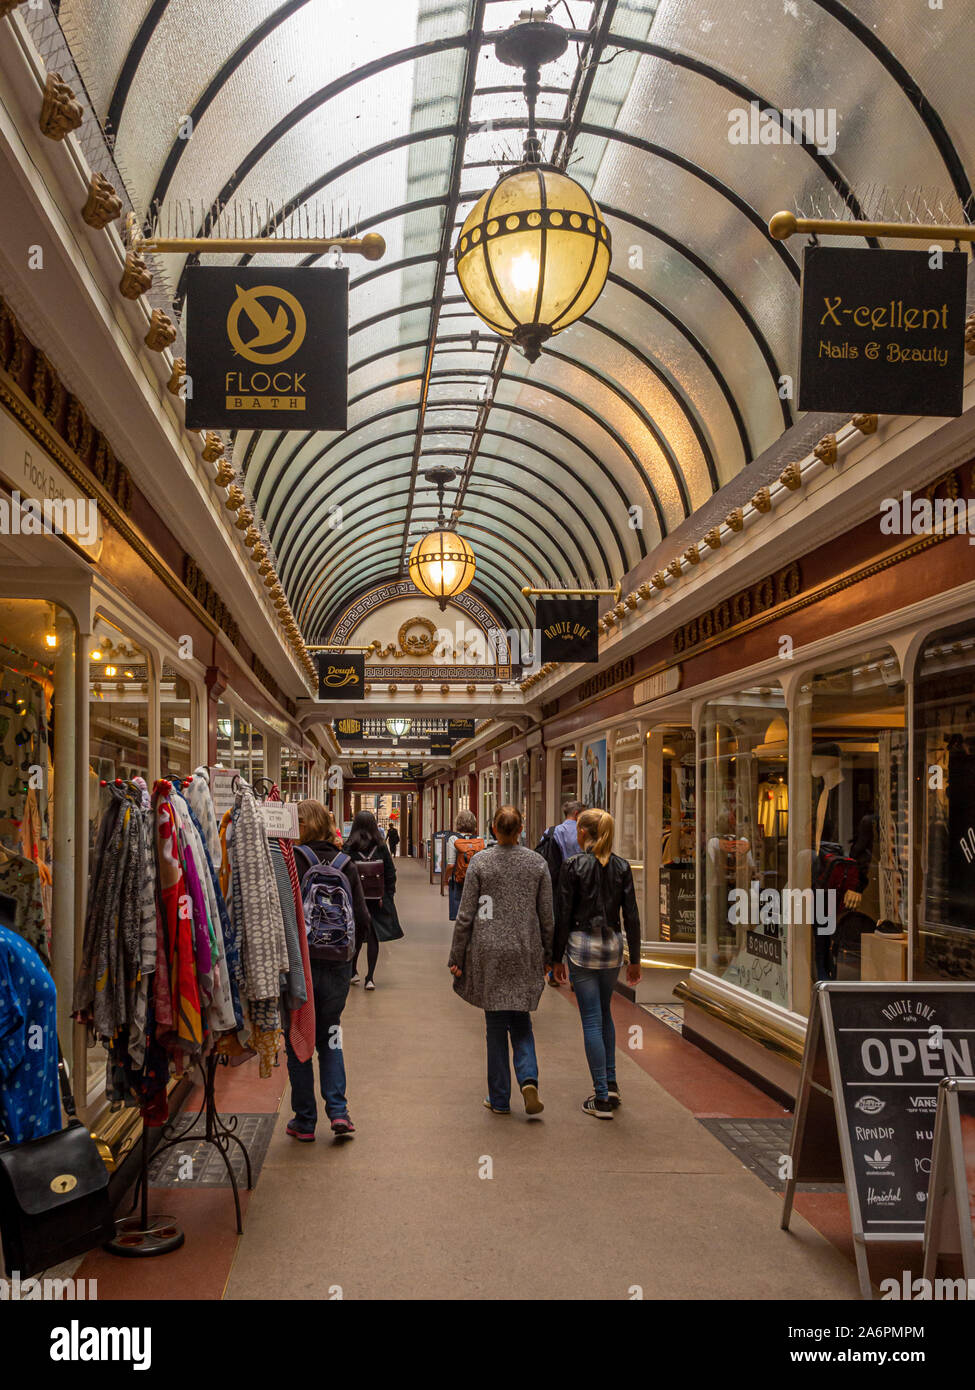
[(501, 950)]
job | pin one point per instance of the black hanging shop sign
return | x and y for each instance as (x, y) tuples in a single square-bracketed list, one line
[(414, 771), (359, 769), (348, 729), (440, 746), (267, 348), (341, 676), (460, 728), (568, 628), (882, 332)]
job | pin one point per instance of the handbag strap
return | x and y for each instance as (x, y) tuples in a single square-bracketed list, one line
[(67, 1097)]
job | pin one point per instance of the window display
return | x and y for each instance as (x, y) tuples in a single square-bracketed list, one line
[(36, 637), (568, 777), (627, 802), (672, 787), (851, 819), (176, 722), (944, 724), (744, 840)]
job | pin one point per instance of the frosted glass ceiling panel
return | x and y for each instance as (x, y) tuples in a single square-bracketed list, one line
[(100, 33)]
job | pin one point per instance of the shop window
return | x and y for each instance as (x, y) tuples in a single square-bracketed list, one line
[(176, 722), (242, 748), (628, 802), (37, 652), (568, 778), (119, 673), (119, 676), (225, 735), (944, 722), (671, 834), (258, 759), (594, 768), (744, 840), (850, 823)]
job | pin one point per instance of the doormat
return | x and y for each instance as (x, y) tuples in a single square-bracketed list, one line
[(194, 1163), (761, 1145), (671, 1014)]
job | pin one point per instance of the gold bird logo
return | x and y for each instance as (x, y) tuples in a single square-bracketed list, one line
[(271, 329)]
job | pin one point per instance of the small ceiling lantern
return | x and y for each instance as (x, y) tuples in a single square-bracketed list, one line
[(442, 564), (534, 253), (398, 727)]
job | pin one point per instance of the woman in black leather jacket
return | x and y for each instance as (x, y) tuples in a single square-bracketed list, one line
[(594, 888)]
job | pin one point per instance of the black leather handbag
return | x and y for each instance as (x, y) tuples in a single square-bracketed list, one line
[(54, 1200)]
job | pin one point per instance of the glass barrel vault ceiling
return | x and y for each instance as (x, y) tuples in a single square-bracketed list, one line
[(395, 115)]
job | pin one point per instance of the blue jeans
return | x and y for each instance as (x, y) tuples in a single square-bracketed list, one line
[(594, 992), (455, 891), (499, 1024), (331, 986)]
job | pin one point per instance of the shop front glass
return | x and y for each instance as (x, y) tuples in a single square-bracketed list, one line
[(176, 715), (671, 831), (225, 735), (119, 684), (850, 822), (627, 804), (568, 780), (119, 674), (594, 769), (37, 658), (743, 840), (944, 876)]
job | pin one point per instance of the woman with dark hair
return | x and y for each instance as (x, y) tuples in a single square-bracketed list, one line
[(369, 852), (501, 949), (595, 888)]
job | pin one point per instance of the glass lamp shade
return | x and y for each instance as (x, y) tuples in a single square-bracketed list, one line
[(442, 565), (533, 256), (397, 727)]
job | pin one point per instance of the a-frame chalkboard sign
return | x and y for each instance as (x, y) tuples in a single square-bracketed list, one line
[(868, 1092), (950, 1226)]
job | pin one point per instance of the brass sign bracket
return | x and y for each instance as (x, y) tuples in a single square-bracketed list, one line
[(786, 224), (372, 247), (616, 591)]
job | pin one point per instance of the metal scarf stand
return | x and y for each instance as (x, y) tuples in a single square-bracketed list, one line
[(144, 1235)]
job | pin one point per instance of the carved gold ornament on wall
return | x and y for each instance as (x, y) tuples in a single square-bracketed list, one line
[(419, 643), (102, 205), (60, 112)]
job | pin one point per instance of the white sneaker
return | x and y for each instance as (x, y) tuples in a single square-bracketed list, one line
[(355, 980), (370, 984)]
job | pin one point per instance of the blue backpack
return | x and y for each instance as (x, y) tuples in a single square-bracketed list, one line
[(326, 901)]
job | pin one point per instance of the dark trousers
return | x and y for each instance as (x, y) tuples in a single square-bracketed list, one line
[(330, 981), (500, 1024)]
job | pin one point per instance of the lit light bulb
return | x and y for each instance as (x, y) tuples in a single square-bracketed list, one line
[(110, 671), (51, 638), (524, 273), (96, 655), (130, 675)]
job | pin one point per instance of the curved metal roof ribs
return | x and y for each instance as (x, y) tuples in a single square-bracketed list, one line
[(668, 386)]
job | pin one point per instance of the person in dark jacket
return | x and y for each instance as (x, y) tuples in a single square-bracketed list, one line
[(594, 888), (365, 841), (392, 839), (330, 980)]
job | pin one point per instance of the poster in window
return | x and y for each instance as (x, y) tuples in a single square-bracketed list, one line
[(594, 783)]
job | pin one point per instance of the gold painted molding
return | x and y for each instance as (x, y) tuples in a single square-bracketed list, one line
[(753, 1027)]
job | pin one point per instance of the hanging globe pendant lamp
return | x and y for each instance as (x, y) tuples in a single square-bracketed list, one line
[(442, 564), (534, 253)]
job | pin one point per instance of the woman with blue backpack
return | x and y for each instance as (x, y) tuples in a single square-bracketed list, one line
[(337, 923), (377, 873)]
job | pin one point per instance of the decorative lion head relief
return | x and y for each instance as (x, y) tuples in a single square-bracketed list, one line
[(60, 113), (103, 205)]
